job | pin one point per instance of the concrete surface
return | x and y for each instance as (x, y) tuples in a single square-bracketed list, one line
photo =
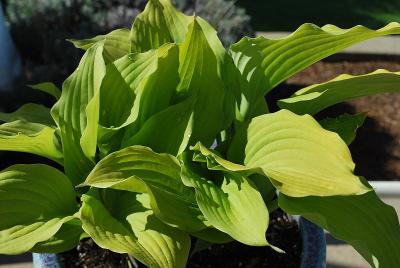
[(388, 45)]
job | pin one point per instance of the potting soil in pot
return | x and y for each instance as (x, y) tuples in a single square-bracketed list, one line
[(282, 232)]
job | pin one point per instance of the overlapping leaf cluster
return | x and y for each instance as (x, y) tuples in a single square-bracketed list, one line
[(133, 127)]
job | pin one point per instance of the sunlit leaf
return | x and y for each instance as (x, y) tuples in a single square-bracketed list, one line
[(199, 75), (22, 136), (315, 98), (300, 157), (133, 229), (77, 114), (231, 204), (116, 44), (158, 24), (139, 169), (35, 201), (281, 58)]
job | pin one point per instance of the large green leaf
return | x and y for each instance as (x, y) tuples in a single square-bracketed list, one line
[(215, 162), (116, 44), (139, 169), (156, 92), (30, 112), (77, 114), (125, 79), (300, 157), (345, 125), (136, 87), (281, 58), (158, 24), (364, 221), (49, 88), (312, 99), (199, 75), (230, 203), (67, 238), (35, 201), (133, 229), (176, 123), (22, 136), (250, 79)]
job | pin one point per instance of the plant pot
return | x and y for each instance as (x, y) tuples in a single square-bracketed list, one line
[(314, 249), (10, 64)]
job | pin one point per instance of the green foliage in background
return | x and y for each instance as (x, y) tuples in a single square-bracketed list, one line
[(133, 128)]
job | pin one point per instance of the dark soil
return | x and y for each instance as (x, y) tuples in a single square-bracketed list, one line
[(283, 233), (88, 255), (376, 150)]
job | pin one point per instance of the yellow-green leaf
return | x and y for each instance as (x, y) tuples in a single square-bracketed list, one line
[(35, 201), (77, 114), (300, 157), (116, 44), (139, 169), (312, 99), (133, 229), (230, 203), (281, 58), (158, 24), (22, 136), (364, 221)]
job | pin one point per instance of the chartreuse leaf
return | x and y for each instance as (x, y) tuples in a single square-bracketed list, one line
[(49, 88), (177, 124), (364, 221), (125, 79), (30, 112), (281, 58), (300, 157), (116, 44), (216, 162), (158, 24), (133, 229), (312, 99), (156, 92), (67, 237), (22, 136), (200, 81), (250, 79), (131, 91), (345, 125), (77, 114), (139, 169), (230, 203), (199, 75), (35, 201)]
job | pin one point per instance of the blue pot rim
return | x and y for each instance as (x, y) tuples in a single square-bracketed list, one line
[(314, 249)]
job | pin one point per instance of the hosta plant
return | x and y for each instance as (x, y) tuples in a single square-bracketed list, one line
[(163, 135)]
